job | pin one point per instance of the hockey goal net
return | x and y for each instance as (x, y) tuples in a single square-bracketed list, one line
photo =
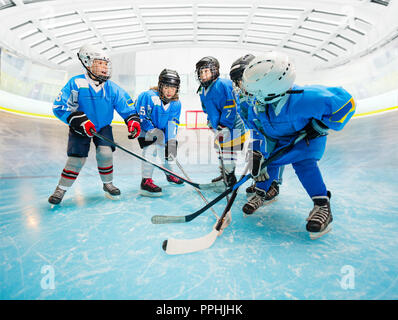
[(196, 119)]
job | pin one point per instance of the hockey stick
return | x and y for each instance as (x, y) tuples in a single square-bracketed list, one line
[(197, 190), (161, 219), (195, 185), (224, 176), (181, 246)]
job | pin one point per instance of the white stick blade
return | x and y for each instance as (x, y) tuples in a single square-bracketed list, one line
[(181, 246)]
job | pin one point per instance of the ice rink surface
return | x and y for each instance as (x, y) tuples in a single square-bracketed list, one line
[(93, 248)]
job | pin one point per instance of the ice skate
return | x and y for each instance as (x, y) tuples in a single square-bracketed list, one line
[(261, 198), (149, 189), (111, 192), (56, 197), (254, 202), (174, 180), (250, 191), (320, 217), (218, 183)]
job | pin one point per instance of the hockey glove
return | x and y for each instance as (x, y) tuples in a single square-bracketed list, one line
[(151, 137), (133, 126), (315, 129), (170, 151), (256, 161), (79, 123)]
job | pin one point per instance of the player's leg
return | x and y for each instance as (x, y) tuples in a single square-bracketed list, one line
[(227, 150), (266, 192), (104, 157), (77, 151), (274, 188), (148, 187), (227, 162), (310, 177), (170, 152)]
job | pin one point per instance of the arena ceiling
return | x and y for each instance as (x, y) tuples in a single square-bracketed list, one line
[(328, 33)]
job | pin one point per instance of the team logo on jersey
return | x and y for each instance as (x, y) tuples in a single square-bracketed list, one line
[(130, 102), (156, 101)]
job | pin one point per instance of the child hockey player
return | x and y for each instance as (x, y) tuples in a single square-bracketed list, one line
[(159, 109), (246, 103), (221, 106), (286, 110), (86, 103)]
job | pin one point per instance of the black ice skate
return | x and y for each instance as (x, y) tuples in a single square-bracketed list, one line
[(261, 198), (57, 196), (174, 180), (250, 191), (320, 217), (149, 189), (111, 192), (218, 183)]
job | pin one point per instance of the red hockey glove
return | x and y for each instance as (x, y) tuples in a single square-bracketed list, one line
[(133, 126), (79, 122)]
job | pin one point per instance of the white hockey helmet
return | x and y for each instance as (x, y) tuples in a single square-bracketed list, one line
[(268, 77), (87, 54)]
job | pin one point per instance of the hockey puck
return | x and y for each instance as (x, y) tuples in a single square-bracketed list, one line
[(164, 245)]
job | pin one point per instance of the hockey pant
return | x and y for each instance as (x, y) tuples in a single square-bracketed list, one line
[(304, 159)]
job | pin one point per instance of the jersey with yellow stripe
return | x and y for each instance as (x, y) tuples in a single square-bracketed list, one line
[(334, 106), (221, 105), (97, 102), (155, 114)]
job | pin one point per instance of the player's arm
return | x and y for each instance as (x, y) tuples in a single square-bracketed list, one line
[(334, 108), (142, 105), (228, 110), (341, 109), (66, 106), (124, 105), (66, 102)]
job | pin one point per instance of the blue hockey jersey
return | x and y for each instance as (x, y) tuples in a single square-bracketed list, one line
[(154, 114), (97, 102), (333, 106), (220, 103), (245, 103)]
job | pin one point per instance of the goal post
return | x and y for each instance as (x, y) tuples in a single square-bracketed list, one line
[(196, 119)]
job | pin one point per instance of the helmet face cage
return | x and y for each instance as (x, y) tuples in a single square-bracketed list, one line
[(236, 73), (269, 77), (168, 78), (101, 71), (214, 74), (93, 58), (210, 63)]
